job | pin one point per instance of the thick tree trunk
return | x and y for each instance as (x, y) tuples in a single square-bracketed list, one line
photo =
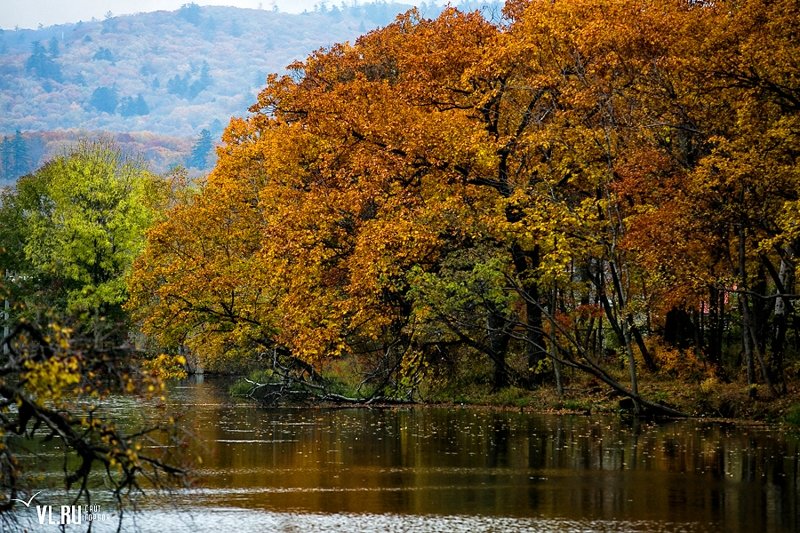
[(525, 263)]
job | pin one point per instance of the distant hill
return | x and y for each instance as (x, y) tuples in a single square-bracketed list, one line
[(162, 152), (170, 74)]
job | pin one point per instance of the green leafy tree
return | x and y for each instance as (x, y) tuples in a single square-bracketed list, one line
[(73, 229)]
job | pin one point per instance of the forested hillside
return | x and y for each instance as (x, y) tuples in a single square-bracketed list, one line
[(167, 73), (171, 73)]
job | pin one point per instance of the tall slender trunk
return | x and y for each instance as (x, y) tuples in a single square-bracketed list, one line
[(625, 330), (632, 330), (6, 325), (553, 344), (750, 340), (97, 341), (747, 349), (784, 285), (715, 310), (781, 324), (632, 368)]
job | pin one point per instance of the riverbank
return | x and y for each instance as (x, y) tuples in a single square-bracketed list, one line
[(708, 399)]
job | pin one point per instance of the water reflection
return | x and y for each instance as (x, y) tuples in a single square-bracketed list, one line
[(462, 469), (432, 461)]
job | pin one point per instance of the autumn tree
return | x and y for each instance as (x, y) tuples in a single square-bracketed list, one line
[(405, 155), (541, 192), (716, 227), (188, 287)]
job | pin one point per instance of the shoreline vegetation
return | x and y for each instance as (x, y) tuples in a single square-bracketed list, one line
[(724, 403), (708, 400)]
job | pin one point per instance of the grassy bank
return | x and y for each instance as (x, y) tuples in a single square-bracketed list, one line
[(708, 399), (584, 395)]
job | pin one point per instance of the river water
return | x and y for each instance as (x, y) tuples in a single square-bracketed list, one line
[(464, 469)]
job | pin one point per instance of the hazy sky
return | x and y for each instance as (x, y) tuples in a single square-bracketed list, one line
[(31, 13)]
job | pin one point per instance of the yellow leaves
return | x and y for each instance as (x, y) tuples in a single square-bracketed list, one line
[(55, 379), (682, 363), (52, 380), (192, 267), (165, 367), (561, 232)]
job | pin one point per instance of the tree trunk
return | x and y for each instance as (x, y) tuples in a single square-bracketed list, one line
[(498, 344), (525, 263), (747, 349), (632, 371), (781, 323), (96, 328), (554, 346), (784, 285), (715, 308), (626, 330), (6, 325), (632, 331)]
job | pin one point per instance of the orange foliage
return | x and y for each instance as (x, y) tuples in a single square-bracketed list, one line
[(608, 149)]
